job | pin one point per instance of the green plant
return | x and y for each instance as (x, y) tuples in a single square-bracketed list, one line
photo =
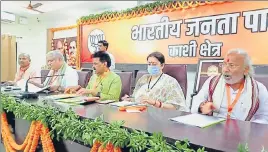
[(138, 141), (244, 148), (69, 126)]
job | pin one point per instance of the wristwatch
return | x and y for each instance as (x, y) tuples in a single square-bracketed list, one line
[(98, 94)]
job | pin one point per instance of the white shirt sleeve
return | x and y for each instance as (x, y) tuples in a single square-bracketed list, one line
[(201, 96), (70, 78), (112, 67), (261, 116)]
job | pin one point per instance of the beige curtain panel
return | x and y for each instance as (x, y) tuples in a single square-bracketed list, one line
[(8, 57)]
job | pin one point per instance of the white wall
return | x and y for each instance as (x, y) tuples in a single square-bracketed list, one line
[(34, 35), (32, 38)]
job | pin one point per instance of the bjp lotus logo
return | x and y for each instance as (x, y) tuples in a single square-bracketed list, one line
[(94, 37)]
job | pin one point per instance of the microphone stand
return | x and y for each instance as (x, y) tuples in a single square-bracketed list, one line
[(32, 95)]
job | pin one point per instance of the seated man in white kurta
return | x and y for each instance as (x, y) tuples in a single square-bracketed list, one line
[(58, 66), (234, 94)]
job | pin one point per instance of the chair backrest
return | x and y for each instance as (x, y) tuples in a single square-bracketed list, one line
[(126, 78), (44, 73), (179, 72), (139, 75), (176, 71), (262, 79), (87, 69), (83, 78)]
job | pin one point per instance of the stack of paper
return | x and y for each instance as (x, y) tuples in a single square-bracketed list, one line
[(198, 120), (77, 100), (63, 96), (105, 101)]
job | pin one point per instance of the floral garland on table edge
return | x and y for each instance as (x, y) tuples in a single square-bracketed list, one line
[(143, 10), (31, 141), (67, 125)]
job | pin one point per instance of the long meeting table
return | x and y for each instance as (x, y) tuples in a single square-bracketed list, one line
[(224, 136)]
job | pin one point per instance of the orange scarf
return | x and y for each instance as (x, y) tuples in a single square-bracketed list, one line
[(21, 73)]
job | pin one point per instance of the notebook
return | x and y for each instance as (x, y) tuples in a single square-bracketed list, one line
[(198, 120)]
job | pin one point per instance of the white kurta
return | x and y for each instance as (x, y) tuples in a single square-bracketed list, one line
[(238, 112), (112, 67), (69, 79)]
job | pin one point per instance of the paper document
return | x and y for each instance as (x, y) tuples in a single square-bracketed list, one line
[(105, 101), (198, 120), (62, 96), (125, 103)]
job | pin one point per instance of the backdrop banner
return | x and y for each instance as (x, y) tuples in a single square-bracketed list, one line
[(68, 46), (184, 36)]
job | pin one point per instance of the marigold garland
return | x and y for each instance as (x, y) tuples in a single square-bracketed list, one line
[(31, 141), (99, 147)]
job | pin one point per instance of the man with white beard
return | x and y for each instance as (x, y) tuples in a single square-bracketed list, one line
[(234, 94)]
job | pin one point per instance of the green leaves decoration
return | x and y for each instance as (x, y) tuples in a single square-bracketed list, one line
[(69, 126)]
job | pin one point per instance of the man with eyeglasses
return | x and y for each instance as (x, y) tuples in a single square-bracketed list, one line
[(69, 77), (103, 46), (234, 94)]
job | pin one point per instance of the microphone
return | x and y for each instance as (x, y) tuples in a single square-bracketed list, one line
[(33, 95), (26, 86)]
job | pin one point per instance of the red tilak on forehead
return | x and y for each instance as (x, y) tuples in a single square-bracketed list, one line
[(228, 60)]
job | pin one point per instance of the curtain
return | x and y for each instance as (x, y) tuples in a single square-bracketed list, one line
[(8, 57)]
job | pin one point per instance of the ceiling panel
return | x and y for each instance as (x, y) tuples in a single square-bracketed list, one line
[(65, 8)]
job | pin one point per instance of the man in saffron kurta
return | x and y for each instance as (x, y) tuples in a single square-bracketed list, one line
[(26, 71), (234, 94), (104, 84)]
